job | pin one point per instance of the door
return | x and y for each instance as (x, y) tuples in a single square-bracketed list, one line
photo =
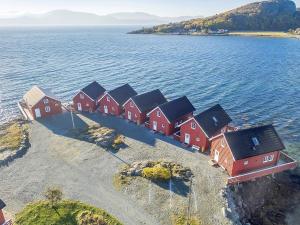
[(216, 158), (79, 107), (129, 115), (187, 139), (105, 109), (154, 125), (37, 112)]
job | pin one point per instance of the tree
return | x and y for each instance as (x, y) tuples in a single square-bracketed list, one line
[(53, 195)]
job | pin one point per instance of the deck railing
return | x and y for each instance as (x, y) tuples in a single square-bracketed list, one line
[(286, 163)]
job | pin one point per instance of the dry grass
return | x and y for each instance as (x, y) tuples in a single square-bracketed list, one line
[(11, 137), (182, 220), (120, 181)]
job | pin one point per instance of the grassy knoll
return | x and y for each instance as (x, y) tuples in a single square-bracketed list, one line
[(65, 212), (11, 137)]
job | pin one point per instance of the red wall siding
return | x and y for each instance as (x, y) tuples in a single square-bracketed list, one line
[(163, 125), (2, 219), (254, 163), (197, 136), (112, 106), (237, 167), (55, 107), (87, 104), (135, 114), (225, 157)]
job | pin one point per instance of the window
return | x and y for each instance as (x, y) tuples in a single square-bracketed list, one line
[(135, 115), (268, 158), (81, 96), (163, 125), (223, 143), (46, 101), (131, 104), (246, 162), (108, 98), (255, 141), (158, 113), (197, 139), (87, 104), (47, 109), (193, 125), (113, 108)]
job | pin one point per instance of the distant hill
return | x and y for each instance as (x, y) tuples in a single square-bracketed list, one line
[(66, 17), (272, 15)]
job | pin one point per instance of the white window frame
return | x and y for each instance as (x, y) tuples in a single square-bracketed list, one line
[(131, 104), (158, 113), (222, 143), (108, 98), (270, 158), (265, 160), (46, 101), (47, 109), (246, 162), (163, 125), (81, 96), (197, 139), (193, 125)]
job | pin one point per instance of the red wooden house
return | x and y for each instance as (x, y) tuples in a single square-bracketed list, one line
[(41, 103), (86, 98), (199, 129), (166, 118), (249, 153), (137, 107), (3, 221), (112, 101)]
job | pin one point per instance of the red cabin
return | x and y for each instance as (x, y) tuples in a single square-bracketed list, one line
[(86, 98), (3, 221), (249, 153), (199, 129), (112, 101), (166, 118), (41, 103), (137, 107)]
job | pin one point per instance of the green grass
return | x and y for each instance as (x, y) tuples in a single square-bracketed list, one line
[(65, 213), (182, 220), (261, 34)]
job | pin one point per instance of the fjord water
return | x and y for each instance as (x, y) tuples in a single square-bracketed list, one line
[(257, 80)]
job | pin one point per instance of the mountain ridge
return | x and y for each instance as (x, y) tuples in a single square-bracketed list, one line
[(68, 17)]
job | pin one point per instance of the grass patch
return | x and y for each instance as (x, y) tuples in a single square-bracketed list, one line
[(65, 213), (182, 220), (11, 137)]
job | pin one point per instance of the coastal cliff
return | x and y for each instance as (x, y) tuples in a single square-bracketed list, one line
[(272, 15)]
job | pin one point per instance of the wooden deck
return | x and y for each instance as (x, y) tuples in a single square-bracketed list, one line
[(285, 163)]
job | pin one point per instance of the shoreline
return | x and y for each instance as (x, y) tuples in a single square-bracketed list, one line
[(270, 34)]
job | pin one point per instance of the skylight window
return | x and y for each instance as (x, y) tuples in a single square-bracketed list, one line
[(215, 120), (255, 141)]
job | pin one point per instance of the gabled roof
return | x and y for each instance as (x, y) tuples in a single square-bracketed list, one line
[(253, 141), (94, 90), (2, 204), (213, 120), (122, 94), (149, 100), (176, 108), (36, 94)]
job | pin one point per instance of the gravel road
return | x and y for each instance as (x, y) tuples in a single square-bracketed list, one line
[(85, 172)]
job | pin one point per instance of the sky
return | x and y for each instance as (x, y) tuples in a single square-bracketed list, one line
[(102, 7)]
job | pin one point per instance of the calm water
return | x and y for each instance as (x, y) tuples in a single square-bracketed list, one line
[(257, 80)]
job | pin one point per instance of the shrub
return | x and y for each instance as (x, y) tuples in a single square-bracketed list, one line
[(156, 173), (54, 196), (118, 140), (89, 218)]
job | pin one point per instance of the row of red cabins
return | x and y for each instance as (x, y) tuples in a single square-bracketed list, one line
[(244, 153)]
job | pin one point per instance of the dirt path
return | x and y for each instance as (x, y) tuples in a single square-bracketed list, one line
[(85, 172)]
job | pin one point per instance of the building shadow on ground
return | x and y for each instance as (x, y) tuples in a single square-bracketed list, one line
[(178, 187)]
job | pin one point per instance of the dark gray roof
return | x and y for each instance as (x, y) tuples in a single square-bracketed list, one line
[(177, 108), (148, 101), (94, 90), (122, 94), (213, 120), (242, 142), (2, 204)]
